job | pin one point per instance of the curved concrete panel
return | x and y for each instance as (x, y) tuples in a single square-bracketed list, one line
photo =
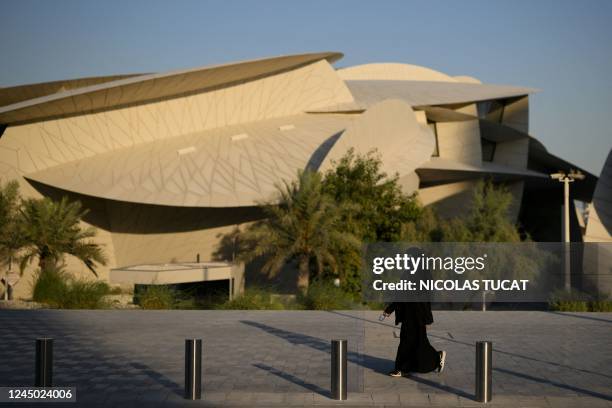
[(393, 71), (232, 166), (599, 229), (437, 114), (466, 78), (391, 127), (423, 93), (409, 183), (438, 170), (541, 160), (460, 141), (451, 199), (36, 146), (599, 225), (516, 114), (150, 87), (14, 94)]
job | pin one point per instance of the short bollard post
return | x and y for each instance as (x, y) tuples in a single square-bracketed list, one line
[(43, 376), (193, 369), (484, 374), (338, 369)]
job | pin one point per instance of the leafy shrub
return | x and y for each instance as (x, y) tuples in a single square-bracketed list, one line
[(85, 294), (324, 295), (187, 304), (373, 305), (600, 306), (575, 301), (254, 298), (59, 289), (287, 301), (563, 301), (569, 306), (50, 287), (156, 297)]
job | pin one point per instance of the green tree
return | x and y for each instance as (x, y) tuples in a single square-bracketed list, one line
[(489, 219), (486, 221), (11, 237), (303, 224), (9, 205), (426, 228), (380, 208), (52, 229)]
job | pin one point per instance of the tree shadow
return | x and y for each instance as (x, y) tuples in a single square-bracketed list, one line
[(293, 379), (230, 247), (227, 249)]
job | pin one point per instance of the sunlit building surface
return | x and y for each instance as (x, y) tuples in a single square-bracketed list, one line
[(169, 164)]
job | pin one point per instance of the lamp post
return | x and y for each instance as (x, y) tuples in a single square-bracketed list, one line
[(567, 178)]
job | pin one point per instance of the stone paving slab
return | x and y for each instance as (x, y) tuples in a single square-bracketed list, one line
[(282, 358)]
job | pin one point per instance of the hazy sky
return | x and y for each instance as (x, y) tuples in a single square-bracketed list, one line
[(563, 48)]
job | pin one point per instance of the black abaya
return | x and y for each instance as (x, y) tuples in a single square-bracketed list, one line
[(414, 353)]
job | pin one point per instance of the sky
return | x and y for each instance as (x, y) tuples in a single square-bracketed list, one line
[(563, 48)]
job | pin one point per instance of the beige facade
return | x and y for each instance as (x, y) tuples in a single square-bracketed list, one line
[(170, 164), (599, 223), (599, 229)]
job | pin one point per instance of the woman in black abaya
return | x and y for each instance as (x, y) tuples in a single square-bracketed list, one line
[(414, 353)]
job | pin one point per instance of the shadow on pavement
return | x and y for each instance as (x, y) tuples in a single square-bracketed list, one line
[(442, 387), (376, 364), (292, 378), (159, 378), (495, 349), (79, 362), (556, 384), (597, 319), (380, 365)]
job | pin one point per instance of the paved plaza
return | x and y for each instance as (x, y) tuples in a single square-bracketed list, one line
[(282, 358)]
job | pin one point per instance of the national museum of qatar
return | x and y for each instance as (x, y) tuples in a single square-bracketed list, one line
[(169, 163)]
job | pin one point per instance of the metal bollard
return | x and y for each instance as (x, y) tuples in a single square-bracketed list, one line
[(193, 369), (338, 369), (484, 375), (43, 376)]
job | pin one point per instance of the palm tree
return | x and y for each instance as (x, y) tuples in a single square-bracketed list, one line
[(11, 238), (304, 226), (51, 229)]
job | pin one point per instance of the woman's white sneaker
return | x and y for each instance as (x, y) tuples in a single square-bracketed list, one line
[(442, 362)]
